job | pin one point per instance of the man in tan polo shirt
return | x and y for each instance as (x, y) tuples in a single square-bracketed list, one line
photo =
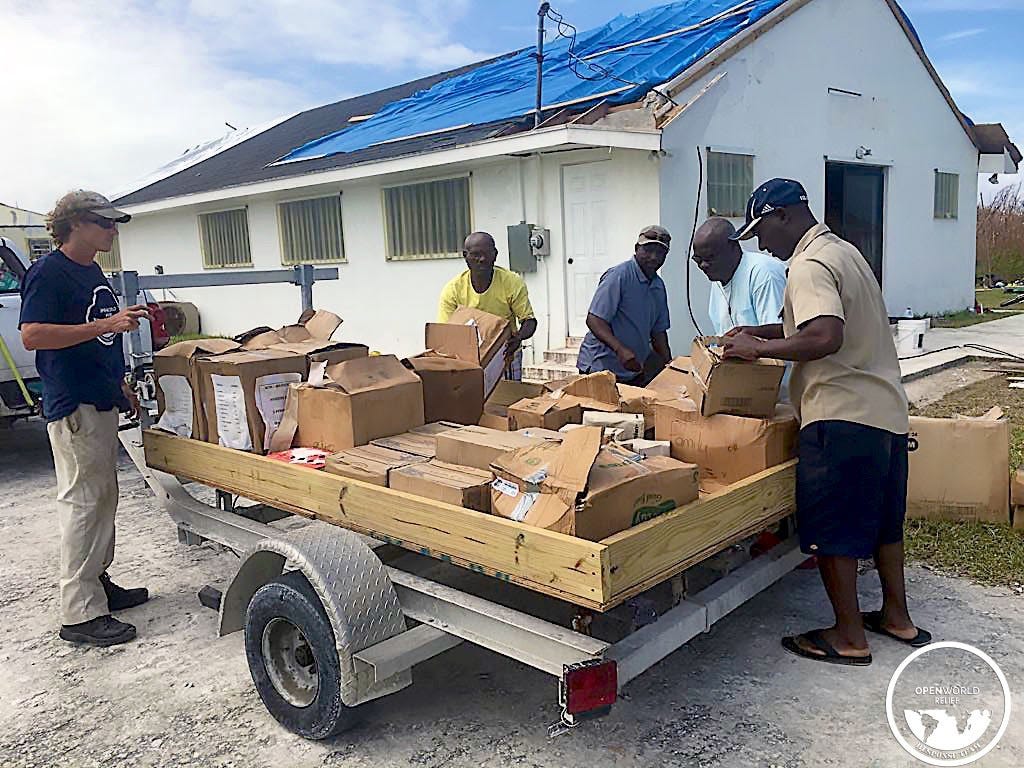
[(851, 490)]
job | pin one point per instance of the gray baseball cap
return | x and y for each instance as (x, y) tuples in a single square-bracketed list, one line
[(85, 201)]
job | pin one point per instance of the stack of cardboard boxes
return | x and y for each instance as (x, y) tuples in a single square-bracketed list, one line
[(443, 425)]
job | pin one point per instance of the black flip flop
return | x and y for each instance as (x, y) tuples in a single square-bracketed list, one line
[(873, 623), (828, 654)]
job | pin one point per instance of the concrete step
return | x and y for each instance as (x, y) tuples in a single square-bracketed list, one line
[(566, 356), (573, 342), (548, 371)]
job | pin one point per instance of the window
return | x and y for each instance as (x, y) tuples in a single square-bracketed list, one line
[(947, 195), (427, 221), (311, 231), (730, 182), (224, 238), (39, 247), (110, 261)]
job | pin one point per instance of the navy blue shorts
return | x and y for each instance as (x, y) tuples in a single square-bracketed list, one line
[(851, 488)]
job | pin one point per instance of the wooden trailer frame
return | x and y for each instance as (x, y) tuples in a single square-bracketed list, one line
[(595, 575)]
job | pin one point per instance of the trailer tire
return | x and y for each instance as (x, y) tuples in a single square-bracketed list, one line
[(290, 647)]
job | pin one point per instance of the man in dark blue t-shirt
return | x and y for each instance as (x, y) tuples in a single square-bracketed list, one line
[(71, 318)]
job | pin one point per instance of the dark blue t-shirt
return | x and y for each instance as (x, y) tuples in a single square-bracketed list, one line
[(59, 291)]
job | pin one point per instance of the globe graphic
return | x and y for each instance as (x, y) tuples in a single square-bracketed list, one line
[(940, 730)]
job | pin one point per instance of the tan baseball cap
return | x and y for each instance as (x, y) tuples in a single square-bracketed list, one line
[(654, 234), (84, 201)]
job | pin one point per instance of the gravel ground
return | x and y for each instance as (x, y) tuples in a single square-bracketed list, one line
[(180, 696)]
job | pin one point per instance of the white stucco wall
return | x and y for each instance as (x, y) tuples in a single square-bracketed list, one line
[(774, 101), (385, 304)]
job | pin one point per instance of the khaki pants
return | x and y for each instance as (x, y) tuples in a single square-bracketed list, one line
[(85, 456)]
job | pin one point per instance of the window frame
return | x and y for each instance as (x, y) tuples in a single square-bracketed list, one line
[(468, 176), (343, 259), (28, 243), (952, 210), (728, 152), (248, 237)]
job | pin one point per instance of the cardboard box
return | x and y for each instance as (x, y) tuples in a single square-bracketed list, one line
[(475, 337), (726, 448), (631, 425), (648, 448), (178, 396), (435, 427), (495, 415), (422, 444), (676, 381), (462, 486), (244, 397), (959, 468), (583, 489), (453, 389), (477, 446), (310, 337), (369, 463), (358, 401), (735, 387), (608, 435), (593, 392), (544, 411)]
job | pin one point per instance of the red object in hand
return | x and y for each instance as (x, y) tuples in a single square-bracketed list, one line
[(158, 326), (313, 458)]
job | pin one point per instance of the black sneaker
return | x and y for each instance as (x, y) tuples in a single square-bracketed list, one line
[(101, 631), (121, 599)]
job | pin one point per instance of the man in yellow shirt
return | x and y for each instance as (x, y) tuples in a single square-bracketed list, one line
[(492, 289)]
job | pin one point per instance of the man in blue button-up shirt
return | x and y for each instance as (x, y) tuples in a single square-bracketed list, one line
[(628, 315)]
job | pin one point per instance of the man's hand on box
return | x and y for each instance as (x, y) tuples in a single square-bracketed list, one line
[(742, 346)]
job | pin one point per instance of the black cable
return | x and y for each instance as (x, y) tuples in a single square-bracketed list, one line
[(602, 73), (693, 235)]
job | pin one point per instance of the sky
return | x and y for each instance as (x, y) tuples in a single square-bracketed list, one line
[(98, 94)]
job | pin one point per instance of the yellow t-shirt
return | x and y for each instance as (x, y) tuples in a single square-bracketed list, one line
[(861, 381), (506, 297)]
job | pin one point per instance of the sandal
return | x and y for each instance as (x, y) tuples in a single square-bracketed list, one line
[(828, 654), (873, 623)]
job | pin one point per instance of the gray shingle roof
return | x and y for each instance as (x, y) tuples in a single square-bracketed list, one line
[(249, 161)]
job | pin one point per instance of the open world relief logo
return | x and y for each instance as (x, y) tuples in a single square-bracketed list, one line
[(948, 704)]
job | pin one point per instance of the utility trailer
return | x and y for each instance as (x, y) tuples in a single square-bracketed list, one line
[(337, 611)]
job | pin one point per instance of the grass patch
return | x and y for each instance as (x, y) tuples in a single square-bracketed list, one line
[(984, 552), (193, 337), (988, 553), (989, 299)]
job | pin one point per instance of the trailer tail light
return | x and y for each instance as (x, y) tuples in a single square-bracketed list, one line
[(590, 687)]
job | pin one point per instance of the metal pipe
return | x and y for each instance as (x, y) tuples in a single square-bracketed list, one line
[(542, 12)]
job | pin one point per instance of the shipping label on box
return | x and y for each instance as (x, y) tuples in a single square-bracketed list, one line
[(178, 392), (240, 392), (974, 486)]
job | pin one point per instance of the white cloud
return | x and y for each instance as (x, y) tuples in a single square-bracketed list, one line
[(105, 92), (963, 34), (925, 6)]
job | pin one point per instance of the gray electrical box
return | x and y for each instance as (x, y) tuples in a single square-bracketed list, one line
[(520, 252)]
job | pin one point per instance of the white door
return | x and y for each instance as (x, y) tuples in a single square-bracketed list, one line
[(585, 201)]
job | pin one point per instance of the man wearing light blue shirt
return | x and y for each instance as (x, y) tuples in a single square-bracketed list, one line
[(747, 289)]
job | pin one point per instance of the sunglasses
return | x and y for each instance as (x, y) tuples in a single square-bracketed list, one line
[(102, 221), (657, 236)]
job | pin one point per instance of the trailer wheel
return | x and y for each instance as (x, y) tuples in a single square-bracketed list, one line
[(292, 657)]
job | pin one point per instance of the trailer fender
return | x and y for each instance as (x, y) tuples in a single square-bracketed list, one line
[(353, 586)]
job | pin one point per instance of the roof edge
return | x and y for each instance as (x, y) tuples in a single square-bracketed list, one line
[(558, 136)]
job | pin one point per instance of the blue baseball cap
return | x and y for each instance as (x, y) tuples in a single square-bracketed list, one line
[(770, 196)]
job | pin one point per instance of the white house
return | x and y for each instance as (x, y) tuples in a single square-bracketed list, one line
[(836, 93)]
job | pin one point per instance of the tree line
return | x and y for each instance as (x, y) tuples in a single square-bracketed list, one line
[(1001, 237)]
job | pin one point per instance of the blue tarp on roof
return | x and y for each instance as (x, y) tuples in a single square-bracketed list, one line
[(507, 87)]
